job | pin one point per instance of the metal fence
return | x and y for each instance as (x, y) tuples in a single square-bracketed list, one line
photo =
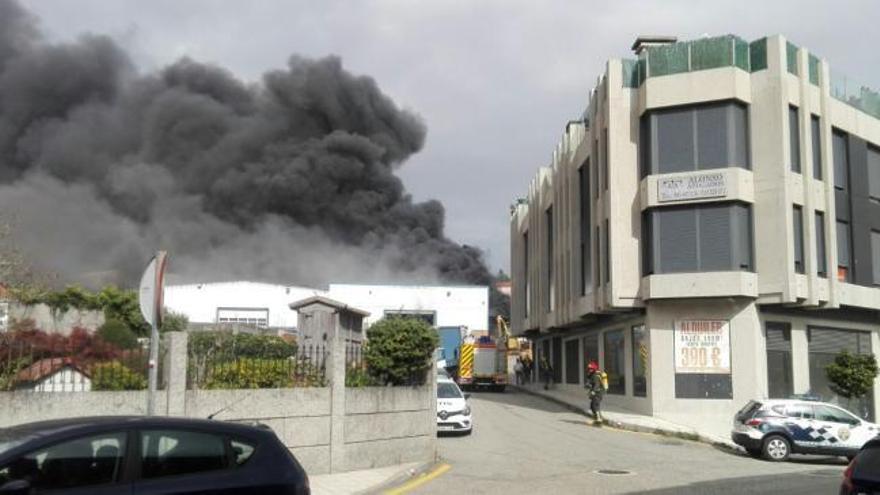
[(305, 366), (50, 363)]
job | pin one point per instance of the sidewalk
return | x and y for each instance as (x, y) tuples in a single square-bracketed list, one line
[(365, 481), (623, 419)]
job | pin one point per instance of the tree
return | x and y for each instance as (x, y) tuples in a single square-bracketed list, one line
[(399, 351), (117, 333), (123, 305), (852, 375)]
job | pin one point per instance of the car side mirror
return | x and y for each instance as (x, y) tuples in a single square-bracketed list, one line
[(16, 487), (467, 396)]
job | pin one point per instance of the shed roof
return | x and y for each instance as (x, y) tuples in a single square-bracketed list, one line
[(47, 367), (326, 301)]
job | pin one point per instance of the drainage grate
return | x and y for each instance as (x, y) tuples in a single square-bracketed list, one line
[(613, 472)]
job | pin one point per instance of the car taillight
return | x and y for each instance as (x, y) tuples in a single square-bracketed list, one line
[(754, 422), (847, 476)]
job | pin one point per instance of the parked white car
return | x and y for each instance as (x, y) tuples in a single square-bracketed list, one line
[(453, 411), (775, 429)]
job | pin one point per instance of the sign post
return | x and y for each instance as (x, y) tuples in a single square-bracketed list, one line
[(150, 298)]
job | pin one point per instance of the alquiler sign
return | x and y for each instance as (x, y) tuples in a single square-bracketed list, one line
[(702, 346), (696, 186)]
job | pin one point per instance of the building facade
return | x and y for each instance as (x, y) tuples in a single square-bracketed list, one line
[(709, 231), (267, 306)]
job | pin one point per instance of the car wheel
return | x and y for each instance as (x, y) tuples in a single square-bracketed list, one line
[(776, 448)]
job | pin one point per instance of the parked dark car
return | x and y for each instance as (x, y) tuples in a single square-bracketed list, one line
[(862, 476), (146, 455)]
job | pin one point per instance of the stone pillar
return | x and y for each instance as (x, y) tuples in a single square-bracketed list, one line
[(175, 372), (431, 410), (336, 374)]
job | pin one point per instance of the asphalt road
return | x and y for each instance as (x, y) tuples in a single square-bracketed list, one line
[(524, 444)]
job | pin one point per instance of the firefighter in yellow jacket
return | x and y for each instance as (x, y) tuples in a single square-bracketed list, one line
[(596, 385)]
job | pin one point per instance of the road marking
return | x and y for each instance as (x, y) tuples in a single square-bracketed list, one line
[(419, 480)]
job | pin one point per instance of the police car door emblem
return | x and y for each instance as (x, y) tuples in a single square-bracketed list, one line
[(843, 433)]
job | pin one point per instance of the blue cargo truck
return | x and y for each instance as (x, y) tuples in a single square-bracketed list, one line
[(450, 345)]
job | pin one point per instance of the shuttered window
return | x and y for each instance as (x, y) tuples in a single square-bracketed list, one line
[(779, 375), (701, 238), (697, 137), (821, 256), (844, 274), (875, 255), (874, 173), (841, 160), (824, 345), (816, 138), (585, 214), (572, 362), (797, 220)]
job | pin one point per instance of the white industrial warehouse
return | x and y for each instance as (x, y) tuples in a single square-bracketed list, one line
[(268, 306)]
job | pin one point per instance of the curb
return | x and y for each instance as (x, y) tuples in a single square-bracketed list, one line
[(403, 477), (622, 425)]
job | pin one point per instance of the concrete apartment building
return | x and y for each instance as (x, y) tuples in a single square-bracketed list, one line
[(709, 231)]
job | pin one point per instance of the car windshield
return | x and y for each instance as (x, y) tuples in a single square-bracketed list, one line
[(448, 390)]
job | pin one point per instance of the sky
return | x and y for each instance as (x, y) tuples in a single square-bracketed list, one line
[(494, 81)]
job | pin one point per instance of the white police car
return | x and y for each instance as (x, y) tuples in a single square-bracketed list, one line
[(776, 429), (453, 411)]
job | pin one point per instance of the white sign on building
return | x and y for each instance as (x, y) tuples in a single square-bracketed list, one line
[(696, 186), (702, 346)]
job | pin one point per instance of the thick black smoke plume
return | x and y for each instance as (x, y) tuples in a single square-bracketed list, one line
[(290, 179)]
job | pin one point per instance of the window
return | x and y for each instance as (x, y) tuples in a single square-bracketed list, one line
[(177, 452), (599, 254), (551, 289), (447, 390), (875, 256), (794, 139), (797, 219), (83, 462), (572, 362), (841, 160), (833, 414), (821, 256), (844, 274), (703, 386), (640, 360), (779, 379), (528, 286), (824, 344), (801, 411), (699, 238), (557, 359), (816, 138), (873, 173), (591, 352), (585, 212), (614, 361), (693, 138)]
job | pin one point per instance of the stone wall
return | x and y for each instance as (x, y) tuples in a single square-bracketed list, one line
[(329, 429)]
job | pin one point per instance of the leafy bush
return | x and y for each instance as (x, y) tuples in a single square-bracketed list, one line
[(114, 375), (399, 351), (174, 322), (852, 375), (356, 376), (226, 346), (117, 333), (251, 373)]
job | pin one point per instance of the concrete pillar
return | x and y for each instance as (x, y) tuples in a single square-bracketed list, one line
[(175, 372), (800, 357), (336, 373)]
